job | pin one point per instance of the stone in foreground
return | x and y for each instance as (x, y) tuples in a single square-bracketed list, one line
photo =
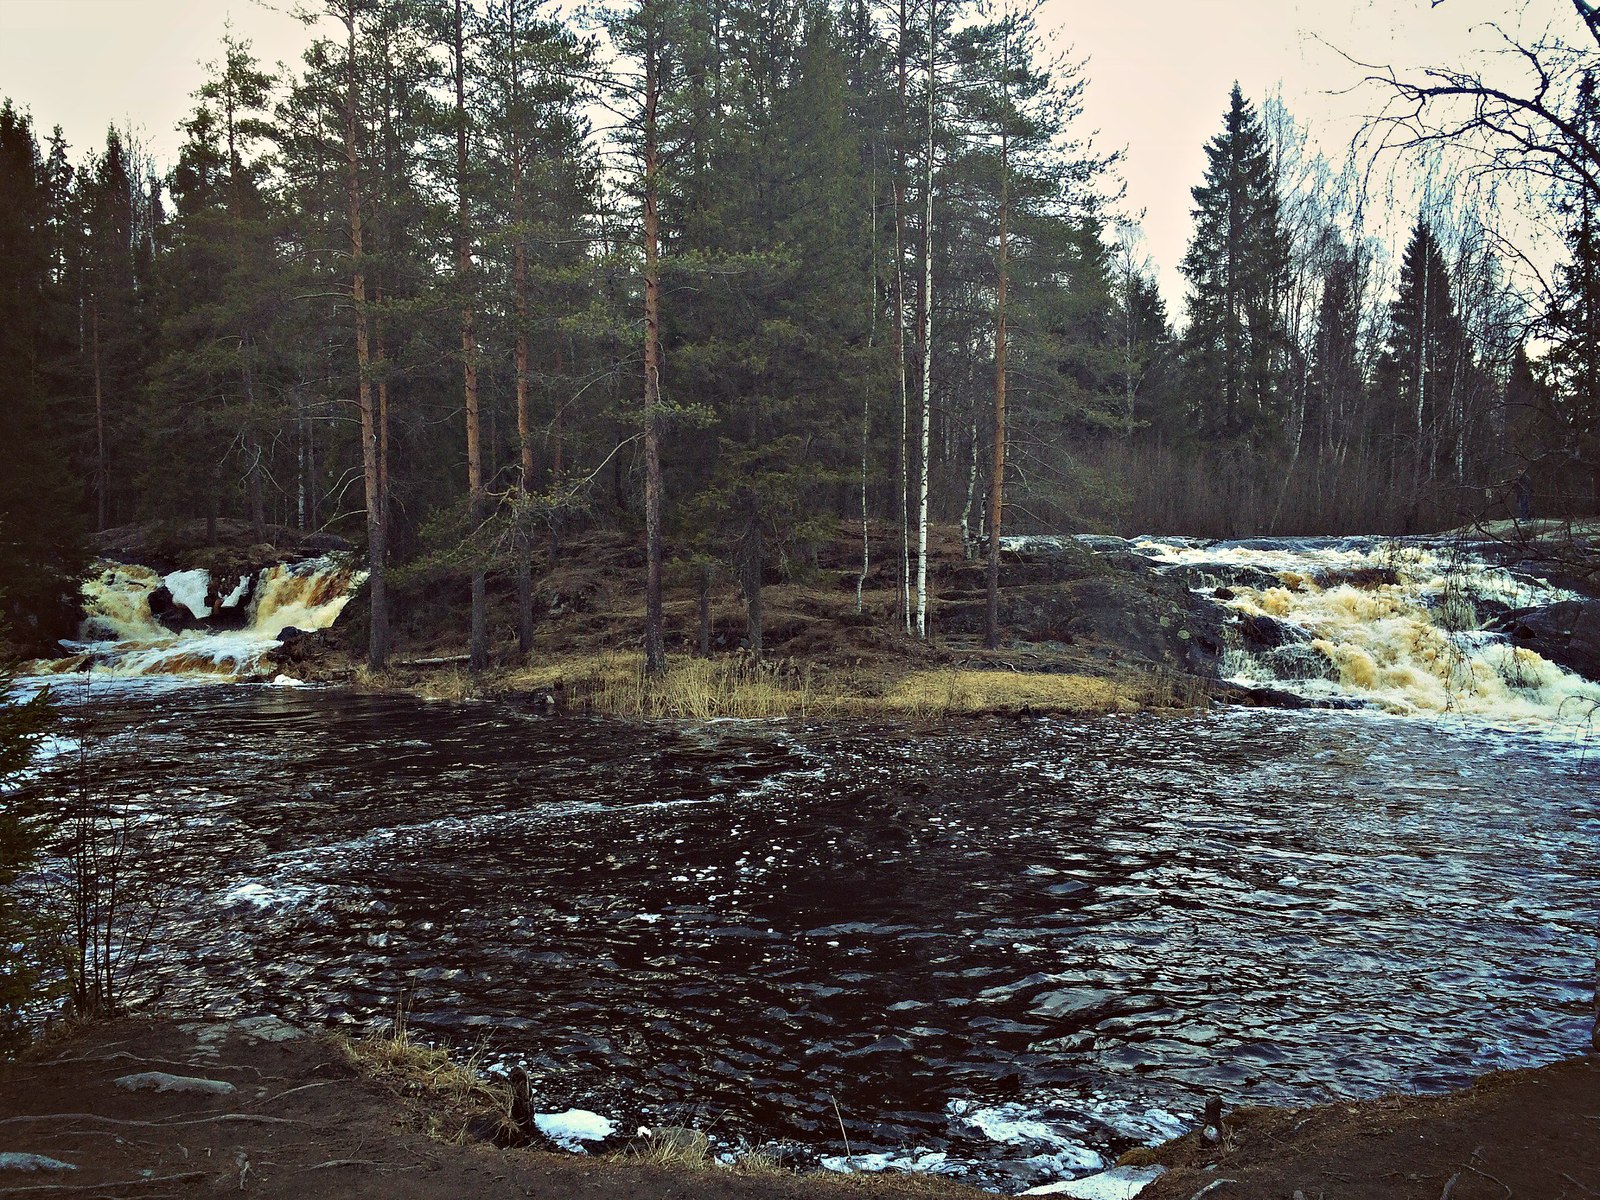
[(160, 1081)]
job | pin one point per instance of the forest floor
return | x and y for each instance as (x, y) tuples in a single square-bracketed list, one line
[(307, 1116), (1081, 637)]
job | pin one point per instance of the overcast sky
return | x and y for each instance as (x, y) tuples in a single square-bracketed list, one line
[(1159, 72)]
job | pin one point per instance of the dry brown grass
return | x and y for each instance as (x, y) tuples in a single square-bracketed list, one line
[(733, 686), (697, 689), (452, 1096)]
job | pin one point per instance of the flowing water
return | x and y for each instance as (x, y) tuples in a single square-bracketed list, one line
[(1008, 951), (1004, 951), (226, 625)]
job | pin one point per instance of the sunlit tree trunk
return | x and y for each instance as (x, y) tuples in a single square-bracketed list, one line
[(997, 478), (655, 658), (479, 650), (378, 635)]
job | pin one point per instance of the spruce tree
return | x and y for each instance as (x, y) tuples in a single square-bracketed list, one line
[(41, 522), (1236, 266), (1422, 364), (1574, 316)]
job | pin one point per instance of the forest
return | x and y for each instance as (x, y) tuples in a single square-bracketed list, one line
[(474, 277)]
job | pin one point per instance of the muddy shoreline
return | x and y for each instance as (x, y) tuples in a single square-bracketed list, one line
[(288, 1112)]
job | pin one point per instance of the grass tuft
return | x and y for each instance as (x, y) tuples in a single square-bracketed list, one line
[(456, 1098)]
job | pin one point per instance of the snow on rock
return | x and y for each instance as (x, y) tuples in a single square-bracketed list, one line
[(1119, 1183), (911, 1161), (11, 1160), (188, 588), (231, 600), (160, 1081), (572, 1128)]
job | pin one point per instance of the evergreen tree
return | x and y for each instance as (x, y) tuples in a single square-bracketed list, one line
[(1422, 366), (1236, 267), (41, 522), (1574, 316), (1336, 384)]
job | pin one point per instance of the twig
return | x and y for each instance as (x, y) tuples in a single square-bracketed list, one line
[(1582, 1187), (35, 1189), (360, 1162), (1490, 1177), (1450, 1186), (220, 1118), (838, 1116), (1211, 1187), (303, 1087)]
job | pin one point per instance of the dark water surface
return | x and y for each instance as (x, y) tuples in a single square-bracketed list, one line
[(1010, 948)]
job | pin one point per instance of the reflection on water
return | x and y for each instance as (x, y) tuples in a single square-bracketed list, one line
[(1011, 949)]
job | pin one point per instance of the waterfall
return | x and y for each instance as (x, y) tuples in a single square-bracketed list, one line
[(1394, 626), (205, 628)]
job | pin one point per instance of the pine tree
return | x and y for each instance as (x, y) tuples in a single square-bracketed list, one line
[(1236, 267)]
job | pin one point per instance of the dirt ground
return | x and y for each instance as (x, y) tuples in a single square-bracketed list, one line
[(1532, 1135), (305, 1121)]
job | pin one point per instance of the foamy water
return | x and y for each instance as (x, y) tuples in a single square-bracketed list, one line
[(122, 638), (1393, 626)]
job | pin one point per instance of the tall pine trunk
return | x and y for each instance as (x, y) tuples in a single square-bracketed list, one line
[(478, 658), (655, 658), (519, 287), (102, 472), (997, 477), (378, 631)]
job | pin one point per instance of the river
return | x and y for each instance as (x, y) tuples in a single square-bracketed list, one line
[(1003, 950)]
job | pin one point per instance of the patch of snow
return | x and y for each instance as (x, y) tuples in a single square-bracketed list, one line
[(231, 600), (189, 588), (909, 1161), (1119, 1183), (572, 1128), (289, 681)]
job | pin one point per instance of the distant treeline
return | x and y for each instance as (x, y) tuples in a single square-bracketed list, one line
[(467, 273)]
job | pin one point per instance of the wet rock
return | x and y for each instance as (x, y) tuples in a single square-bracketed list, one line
[(1119, 1183), (1567, 633), (1261, 632), (160, 1081), (291, 634), (1253, 696), (168, 612)]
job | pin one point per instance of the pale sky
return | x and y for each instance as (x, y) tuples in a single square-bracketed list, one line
[(1159, 71)]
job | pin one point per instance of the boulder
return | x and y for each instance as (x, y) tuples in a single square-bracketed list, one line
[(1261, 632), (160, 1081), (1566, 633)]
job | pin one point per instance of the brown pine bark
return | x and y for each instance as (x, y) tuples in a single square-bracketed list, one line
[(519, 288), (997, 479), (655, 658), (478, 657), (378, 636), (102, 472)]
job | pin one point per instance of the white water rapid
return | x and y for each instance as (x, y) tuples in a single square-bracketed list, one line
[(224, 626), (1395, 626)]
